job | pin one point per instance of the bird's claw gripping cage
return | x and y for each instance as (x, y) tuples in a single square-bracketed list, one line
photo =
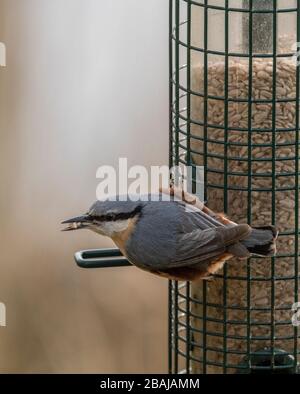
[(234, 109)]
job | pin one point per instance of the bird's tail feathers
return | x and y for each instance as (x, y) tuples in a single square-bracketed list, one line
[(262, 241)]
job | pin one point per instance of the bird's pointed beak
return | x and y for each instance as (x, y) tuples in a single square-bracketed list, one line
[(76, 223)]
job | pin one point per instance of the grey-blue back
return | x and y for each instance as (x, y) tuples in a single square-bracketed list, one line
[(169, 232)]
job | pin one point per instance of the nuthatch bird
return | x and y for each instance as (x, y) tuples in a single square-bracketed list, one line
[(180, 239)]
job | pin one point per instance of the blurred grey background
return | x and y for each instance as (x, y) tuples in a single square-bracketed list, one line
[(86, 82)]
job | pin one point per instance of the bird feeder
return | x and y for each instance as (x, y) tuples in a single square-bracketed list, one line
[(235, 111)]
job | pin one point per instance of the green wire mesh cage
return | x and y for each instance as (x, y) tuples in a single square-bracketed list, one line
[(234, 91)]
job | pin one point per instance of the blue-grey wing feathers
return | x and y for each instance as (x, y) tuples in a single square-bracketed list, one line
[(170, 236)]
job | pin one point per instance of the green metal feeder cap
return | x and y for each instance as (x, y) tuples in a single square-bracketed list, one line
[(261, 363)]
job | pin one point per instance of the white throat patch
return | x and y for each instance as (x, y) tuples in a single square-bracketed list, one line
[(110, 228)]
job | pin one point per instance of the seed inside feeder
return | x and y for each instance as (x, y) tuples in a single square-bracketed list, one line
[(250, 161)]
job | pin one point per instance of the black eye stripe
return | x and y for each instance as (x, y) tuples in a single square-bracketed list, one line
[(113, 217)]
